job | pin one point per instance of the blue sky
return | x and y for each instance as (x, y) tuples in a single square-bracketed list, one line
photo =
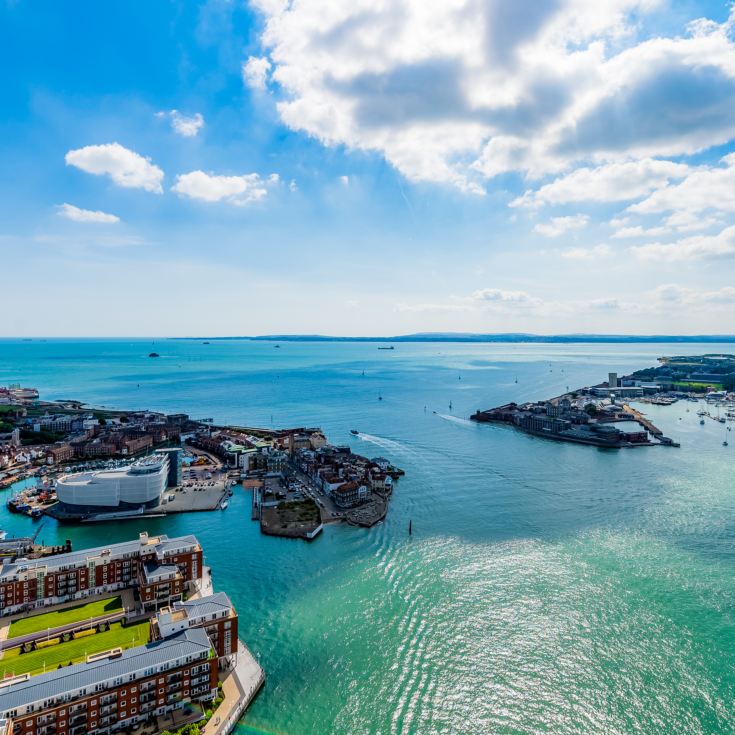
[(367, 168)]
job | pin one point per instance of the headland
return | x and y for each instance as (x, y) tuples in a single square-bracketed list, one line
[(601, 415)]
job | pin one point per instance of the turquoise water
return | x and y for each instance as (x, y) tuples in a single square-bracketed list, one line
[(546, 588)]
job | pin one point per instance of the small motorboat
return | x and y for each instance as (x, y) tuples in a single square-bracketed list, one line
[(153, 354), (225, 504), (354, 432)]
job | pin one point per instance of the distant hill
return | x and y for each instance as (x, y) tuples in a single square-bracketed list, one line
[(479, 337)]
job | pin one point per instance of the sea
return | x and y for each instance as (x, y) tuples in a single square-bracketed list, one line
[(546, 588)]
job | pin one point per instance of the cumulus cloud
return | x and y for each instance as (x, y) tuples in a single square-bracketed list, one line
[(559, 225), (187, 126), (673, 293), (612, 182), (456, 92), (697, 247), (237, 190), (705, 188), (125, 167), (593, 253), (255, 72), (640, 231), (69, 211), (500, 296)]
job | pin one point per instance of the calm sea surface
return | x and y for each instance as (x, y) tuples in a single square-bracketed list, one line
[(546, 588)]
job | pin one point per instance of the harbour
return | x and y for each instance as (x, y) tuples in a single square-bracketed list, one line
[(507, 546)]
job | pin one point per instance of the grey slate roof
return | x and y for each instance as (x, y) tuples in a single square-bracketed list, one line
[(53, 563), (71, 678), (159, 572), (205, 605)]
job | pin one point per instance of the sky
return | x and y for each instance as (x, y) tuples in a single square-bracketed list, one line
[(367, 167)]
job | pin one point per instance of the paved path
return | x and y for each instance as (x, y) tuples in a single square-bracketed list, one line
[(239, 687)]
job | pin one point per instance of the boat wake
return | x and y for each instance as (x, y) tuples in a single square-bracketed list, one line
[(385, 443), (457, 420)]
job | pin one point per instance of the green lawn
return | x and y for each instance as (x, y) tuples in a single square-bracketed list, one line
[(55, 618), (14, 663)]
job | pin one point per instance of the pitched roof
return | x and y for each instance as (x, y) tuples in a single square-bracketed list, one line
[(132, 661)]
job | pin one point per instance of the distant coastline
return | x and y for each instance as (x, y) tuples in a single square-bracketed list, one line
[(511, 337)]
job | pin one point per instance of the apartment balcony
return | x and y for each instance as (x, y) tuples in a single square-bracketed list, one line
[(108, 709), (80, 719), (201, 690), (147, 706), (147, 697), (46, 719), (78, 730), (46, 730), (200, 680), (104, 721), (78, 708), (173, 678), (148, 686), (108, 698)]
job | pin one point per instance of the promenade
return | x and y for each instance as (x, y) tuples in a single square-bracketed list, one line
[(239, 686)]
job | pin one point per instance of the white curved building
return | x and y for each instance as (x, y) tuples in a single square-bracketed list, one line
[(135, 486)]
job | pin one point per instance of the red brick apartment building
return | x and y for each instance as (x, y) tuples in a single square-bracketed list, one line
[(112, 691), (214, 613), (157, 566)]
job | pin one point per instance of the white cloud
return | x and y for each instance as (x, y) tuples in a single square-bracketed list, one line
[(612, 182), (187, 126), (640, 231), (344, 180), (69, 211), (125, 167), (238, 190), (293, 186), (593, 253), (559, 225), (457, 91), (500, 296), (673, 293), (705, 188), (697, 247), (255, 72), (689, 222)]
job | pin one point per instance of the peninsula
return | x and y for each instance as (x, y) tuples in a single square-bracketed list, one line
[(97, 464), (601, 416)]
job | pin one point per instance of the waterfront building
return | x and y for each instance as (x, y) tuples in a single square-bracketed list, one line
[(349, 494), (158, 566), (113, 691), (215, 613), (132, 487), (175, 462)]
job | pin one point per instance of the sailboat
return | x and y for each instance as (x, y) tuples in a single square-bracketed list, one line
[(410, 527)]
